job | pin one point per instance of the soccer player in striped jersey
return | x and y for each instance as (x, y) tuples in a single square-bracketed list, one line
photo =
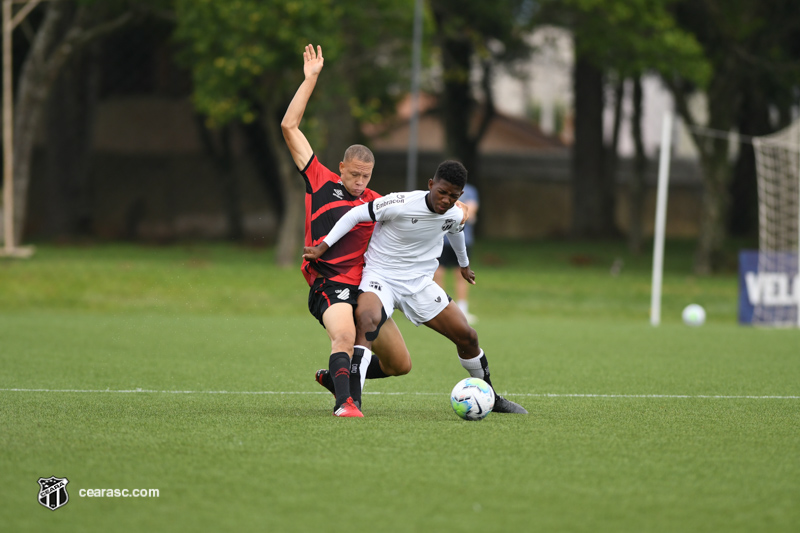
[(334, 280), (401, 259)]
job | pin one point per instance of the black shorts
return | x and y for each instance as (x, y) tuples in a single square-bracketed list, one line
[(324, 293), (448, 258)]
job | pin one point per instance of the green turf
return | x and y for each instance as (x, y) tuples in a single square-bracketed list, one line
[(171, 325)]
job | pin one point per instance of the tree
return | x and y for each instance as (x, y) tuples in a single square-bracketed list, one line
[(618, 40), (246, 62), (490, 33), (753, 48), (66, 29)]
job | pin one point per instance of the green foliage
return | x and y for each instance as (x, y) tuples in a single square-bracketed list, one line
[(632, 37), (495, 30), (245, 53), (749, 39), (239, 51)]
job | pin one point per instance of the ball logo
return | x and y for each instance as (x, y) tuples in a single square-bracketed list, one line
[(53, 492)]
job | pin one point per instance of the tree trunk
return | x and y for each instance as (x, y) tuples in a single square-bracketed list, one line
[(716, 176), (723, 106), (70, 117), (50, 50), (612, 151), (30, 106), (753, 120), (218, 147), (636, 186), (229, 180), (290, 233), (590, 210), (457, 105)]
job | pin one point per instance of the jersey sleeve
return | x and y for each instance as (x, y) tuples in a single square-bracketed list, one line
[(348, 221), (315, 175), (388, 207), (459, 245), (457, 228)]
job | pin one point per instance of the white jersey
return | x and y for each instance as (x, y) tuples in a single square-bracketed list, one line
[(407, 240)]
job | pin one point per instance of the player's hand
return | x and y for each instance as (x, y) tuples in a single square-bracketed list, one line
[(468, 274), (312, 253), (465, 208), (313, 61)]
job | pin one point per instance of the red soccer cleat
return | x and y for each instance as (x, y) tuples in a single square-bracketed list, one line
[(348, 410)]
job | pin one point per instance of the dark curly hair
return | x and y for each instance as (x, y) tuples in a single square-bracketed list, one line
[(452, 172)]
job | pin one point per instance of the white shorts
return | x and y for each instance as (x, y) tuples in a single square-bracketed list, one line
[(420, 299)]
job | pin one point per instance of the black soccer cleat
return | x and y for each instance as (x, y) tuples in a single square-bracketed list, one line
[(501, 405), (323, 377)]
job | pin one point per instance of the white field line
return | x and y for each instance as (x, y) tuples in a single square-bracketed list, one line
[(530, 395)]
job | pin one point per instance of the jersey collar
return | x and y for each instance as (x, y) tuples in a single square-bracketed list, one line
[(428, 203)]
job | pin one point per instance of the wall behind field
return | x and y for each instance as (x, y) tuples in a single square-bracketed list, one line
[(529, 196), (150, 179), (163, 197)]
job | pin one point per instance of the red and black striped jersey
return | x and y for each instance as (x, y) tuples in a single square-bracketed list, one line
[(327, 200)]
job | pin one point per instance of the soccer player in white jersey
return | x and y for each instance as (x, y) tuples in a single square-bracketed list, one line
[(401, 259)]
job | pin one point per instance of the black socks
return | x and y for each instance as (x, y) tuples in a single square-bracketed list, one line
[(339, 368)]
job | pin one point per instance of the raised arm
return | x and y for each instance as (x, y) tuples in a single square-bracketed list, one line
[(290, 125)]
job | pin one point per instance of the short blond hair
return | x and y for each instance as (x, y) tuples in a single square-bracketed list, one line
[(359, 152)]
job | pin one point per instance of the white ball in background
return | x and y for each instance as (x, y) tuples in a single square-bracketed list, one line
[(694, 315)]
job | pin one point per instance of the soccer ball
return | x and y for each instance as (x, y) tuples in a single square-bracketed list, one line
[(694, 315), (472, 399)]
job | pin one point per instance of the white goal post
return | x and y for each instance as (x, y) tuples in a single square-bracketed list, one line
[(769, 278), (661, 219)]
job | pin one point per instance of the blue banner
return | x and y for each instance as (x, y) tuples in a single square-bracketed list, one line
[(769, 288)]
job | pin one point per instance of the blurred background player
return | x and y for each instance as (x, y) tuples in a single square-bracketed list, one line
[(449, 261), (334, 280)]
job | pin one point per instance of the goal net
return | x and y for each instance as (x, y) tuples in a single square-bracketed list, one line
[(778, 173)]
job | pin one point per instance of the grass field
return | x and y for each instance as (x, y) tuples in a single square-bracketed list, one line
[(189, 369)]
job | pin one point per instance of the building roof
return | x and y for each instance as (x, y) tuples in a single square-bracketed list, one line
[(505, 134)]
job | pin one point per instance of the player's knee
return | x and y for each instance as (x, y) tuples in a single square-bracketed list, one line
[(403, 368), (343, 341), (398, 368), (366, 317), (369, 322)]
